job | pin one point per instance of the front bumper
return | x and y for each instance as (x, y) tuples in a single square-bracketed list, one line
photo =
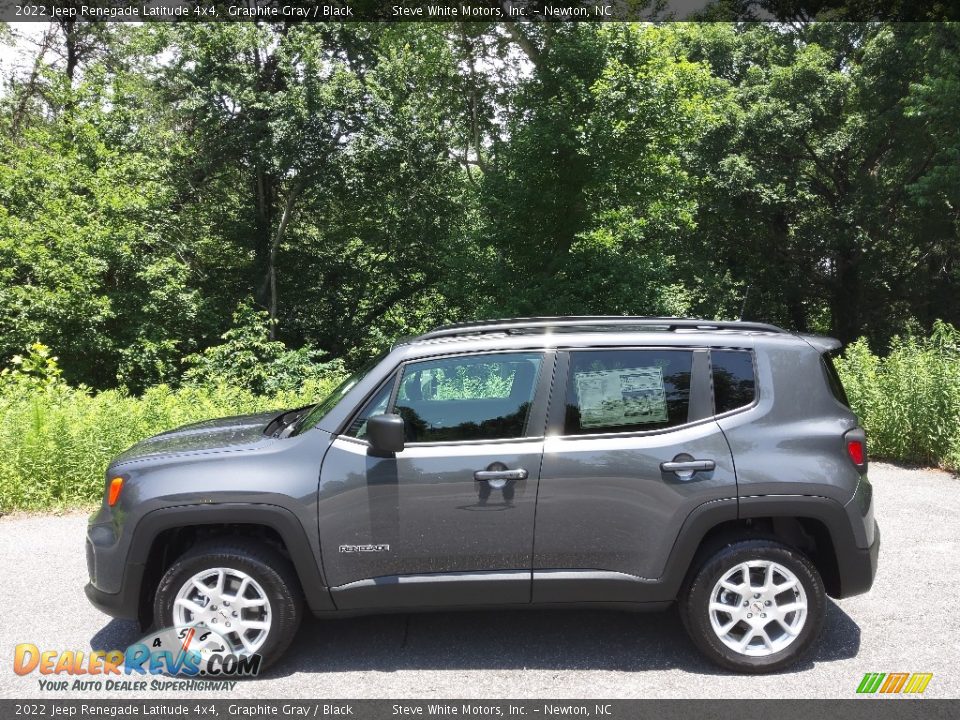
[(108, 571), (124, 604)]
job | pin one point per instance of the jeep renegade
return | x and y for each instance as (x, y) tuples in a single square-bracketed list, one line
[(618, 462)]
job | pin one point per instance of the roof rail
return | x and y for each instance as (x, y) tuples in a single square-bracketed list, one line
[(568, 322)]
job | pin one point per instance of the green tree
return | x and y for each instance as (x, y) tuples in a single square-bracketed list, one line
[(827, 192), (366, 181), (589, 198), (249, 359), (275, 105)]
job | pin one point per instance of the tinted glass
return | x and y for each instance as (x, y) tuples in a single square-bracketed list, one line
[(734, 385), (480, 397), (377, 405), (322, 408), (833, 380), (627, 390)]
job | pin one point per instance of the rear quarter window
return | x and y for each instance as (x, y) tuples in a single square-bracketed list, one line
[(833, 379), (734, 382)]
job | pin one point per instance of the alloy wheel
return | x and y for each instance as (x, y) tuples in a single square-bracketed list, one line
[(228, 601), (758, 608)]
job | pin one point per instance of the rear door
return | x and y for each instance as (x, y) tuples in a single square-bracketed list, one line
[(449, 520), (632, 449)]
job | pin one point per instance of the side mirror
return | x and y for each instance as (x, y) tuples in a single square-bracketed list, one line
[(385, 433)]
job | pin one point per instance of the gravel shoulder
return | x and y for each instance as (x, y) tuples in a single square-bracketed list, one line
[(906, 623)]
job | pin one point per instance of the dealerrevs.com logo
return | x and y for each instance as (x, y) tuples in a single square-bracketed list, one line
[(899, 683), (199, 658)]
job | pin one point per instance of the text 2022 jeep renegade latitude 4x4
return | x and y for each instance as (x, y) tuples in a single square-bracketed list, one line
[(627, 463)]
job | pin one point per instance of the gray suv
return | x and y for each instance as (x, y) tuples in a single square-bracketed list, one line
[(619, 462)]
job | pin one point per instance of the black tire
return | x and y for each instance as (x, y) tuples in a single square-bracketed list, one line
[(264, 564), (695, 600)]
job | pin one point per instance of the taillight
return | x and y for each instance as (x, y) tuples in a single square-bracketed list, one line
[(855, 451), (113, 493), (856, 443)]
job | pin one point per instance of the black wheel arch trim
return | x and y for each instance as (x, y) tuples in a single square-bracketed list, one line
[(701, 520), (856, 566), (306, 563)]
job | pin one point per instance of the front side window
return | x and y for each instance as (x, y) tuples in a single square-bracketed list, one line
[(480, 397), (734, 385), (319, 411), (377, 405), (612, 391)]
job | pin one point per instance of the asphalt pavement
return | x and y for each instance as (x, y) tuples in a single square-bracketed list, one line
[(907, 623)]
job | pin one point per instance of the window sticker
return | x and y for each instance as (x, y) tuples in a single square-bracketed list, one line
[(628, 396)]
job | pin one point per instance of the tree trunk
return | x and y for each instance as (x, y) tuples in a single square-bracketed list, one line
[(845, 305), (270, 280), (30, 90), (261, 237), (71, 41), (798, 314)]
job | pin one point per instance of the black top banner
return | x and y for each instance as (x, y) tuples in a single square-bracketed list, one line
[(530, 11)]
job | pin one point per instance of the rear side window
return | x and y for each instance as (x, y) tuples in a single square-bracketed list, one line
[(734, 384), (481, 397), (833, 379), (611, 391)]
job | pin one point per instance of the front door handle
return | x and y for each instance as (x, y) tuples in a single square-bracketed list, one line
[(686, 469), (518, 474)]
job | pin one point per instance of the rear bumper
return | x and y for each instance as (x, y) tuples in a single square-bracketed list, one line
[(858, 567)]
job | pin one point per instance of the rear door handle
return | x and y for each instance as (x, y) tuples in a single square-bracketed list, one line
[(518, 474), (686, 469)]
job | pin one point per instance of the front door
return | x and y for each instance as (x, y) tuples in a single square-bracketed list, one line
[(449, 520), (632, 450)]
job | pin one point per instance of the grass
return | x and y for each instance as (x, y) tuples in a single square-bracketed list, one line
[(56, 441)]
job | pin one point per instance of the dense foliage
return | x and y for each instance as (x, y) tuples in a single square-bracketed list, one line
[(364, 181), (56, 440), (909, 400), (208, 219)]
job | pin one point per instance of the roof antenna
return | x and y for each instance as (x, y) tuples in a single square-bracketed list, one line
[(743, 307)]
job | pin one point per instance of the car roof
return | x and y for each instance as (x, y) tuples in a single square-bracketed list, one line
[(594, 323), (593, 331)]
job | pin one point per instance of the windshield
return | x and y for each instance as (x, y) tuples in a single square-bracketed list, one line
[(320, 410)]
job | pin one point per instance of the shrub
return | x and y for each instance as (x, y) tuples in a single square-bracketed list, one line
[(909, 401), (248, 358), (56, 440), (39, 369)]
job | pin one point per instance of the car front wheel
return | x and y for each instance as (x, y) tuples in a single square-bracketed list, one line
[(247, 593), (754, 606)]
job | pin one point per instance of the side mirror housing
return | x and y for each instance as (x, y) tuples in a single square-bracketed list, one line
[(385, 433)]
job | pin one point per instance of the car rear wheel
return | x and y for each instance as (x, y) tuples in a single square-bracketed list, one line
[(754, 606), (246, 592)]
